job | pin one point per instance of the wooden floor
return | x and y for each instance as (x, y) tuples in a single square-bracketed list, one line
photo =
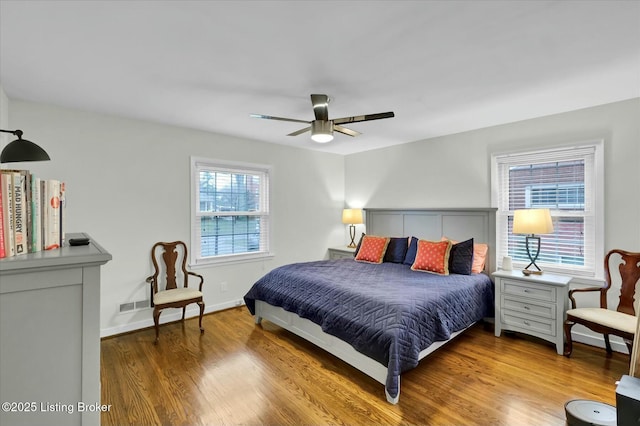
[(241, 373)]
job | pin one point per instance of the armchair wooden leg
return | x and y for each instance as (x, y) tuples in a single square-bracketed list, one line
[(201, 313), (607, 344), (568, 345), (629, 344), (184, 309), (156, 321)]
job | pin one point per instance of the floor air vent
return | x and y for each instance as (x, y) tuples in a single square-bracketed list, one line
[(126, 307), (134, 306)]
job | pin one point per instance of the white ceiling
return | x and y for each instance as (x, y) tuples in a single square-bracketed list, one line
[(442, 66)]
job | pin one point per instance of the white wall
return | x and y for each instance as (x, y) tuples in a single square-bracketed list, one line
[(455, 170), (4, 116), (128, 187)]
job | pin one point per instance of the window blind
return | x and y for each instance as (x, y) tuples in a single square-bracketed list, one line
[(231, 211), (562, 180)]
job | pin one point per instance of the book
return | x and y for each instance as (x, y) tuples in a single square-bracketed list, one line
[(51, 214), (19, 213), (43, 211), (63, 213), (27, 200), (36, 215), (6, 180), (2, 249)]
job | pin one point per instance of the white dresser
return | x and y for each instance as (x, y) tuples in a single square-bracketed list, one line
[(534, 304), (50, 336)]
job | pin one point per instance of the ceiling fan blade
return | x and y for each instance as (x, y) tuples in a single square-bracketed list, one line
[(299, 132), (345, 131), (367, 117), (320, 107), (270, 117)]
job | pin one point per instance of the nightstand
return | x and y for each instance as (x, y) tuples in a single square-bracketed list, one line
[(341, 252), (534, 304)]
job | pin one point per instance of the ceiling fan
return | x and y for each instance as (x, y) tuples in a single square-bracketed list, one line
[(322, 128)]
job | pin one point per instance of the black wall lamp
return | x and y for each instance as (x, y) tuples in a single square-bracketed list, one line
[(22, 150)]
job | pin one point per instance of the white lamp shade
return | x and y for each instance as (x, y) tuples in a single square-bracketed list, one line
[(352, 216), (532, 221)]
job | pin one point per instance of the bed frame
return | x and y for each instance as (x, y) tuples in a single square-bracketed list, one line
[(454, 223)]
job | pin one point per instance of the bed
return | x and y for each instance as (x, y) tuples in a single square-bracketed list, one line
[(383, 318)]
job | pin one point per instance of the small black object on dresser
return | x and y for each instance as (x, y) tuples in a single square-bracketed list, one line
[(79, 241)]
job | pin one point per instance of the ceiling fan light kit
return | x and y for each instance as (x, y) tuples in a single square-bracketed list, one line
[(322, 128), (322, 131)]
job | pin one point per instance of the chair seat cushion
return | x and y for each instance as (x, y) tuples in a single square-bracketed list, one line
[(606, 317), (175, 295)]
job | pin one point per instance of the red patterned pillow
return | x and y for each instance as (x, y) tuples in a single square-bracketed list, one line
[(432, 257), (372, 249)]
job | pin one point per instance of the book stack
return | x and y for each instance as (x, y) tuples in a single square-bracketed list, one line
[(32, 213)]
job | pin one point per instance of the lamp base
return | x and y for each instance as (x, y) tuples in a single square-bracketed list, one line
[(352, 234), (526, 271)]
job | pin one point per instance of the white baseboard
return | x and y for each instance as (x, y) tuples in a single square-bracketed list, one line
[(598, 340), (168, 316)]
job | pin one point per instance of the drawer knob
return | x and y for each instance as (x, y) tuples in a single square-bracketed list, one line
[(527, 307), (526, 290), (526, 322)]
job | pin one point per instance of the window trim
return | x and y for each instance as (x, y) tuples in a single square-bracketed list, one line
[(195, 261), (598, 207)]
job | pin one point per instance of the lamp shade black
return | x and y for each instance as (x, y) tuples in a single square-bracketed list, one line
[(22, 150)]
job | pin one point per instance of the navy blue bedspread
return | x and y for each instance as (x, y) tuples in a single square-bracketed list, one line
[(386, 311)]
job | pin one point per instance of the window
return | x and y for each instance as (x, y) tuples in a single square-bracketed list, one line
[(230, 211), (568, 181)]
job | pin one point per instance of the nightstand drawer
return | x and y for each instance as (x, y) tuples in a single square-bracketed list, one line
[(529, 324), (529, 306), (517, 288), (341, 253)]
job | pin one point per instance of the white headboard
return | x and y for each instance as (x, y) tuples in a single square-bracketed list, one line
[(432, 224)]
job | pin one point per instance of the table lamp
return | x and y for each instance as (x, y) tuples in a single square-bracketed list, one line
[(531, 222), (352, 217)]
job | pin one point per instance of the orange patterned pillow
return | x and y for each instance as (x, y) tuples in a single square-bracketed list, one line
[(372, 249), (432, 257)]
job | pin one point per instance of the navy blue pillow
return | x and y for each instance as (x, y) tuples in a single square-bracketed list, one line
[(396, 250), (461, 258), (410, 257)]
